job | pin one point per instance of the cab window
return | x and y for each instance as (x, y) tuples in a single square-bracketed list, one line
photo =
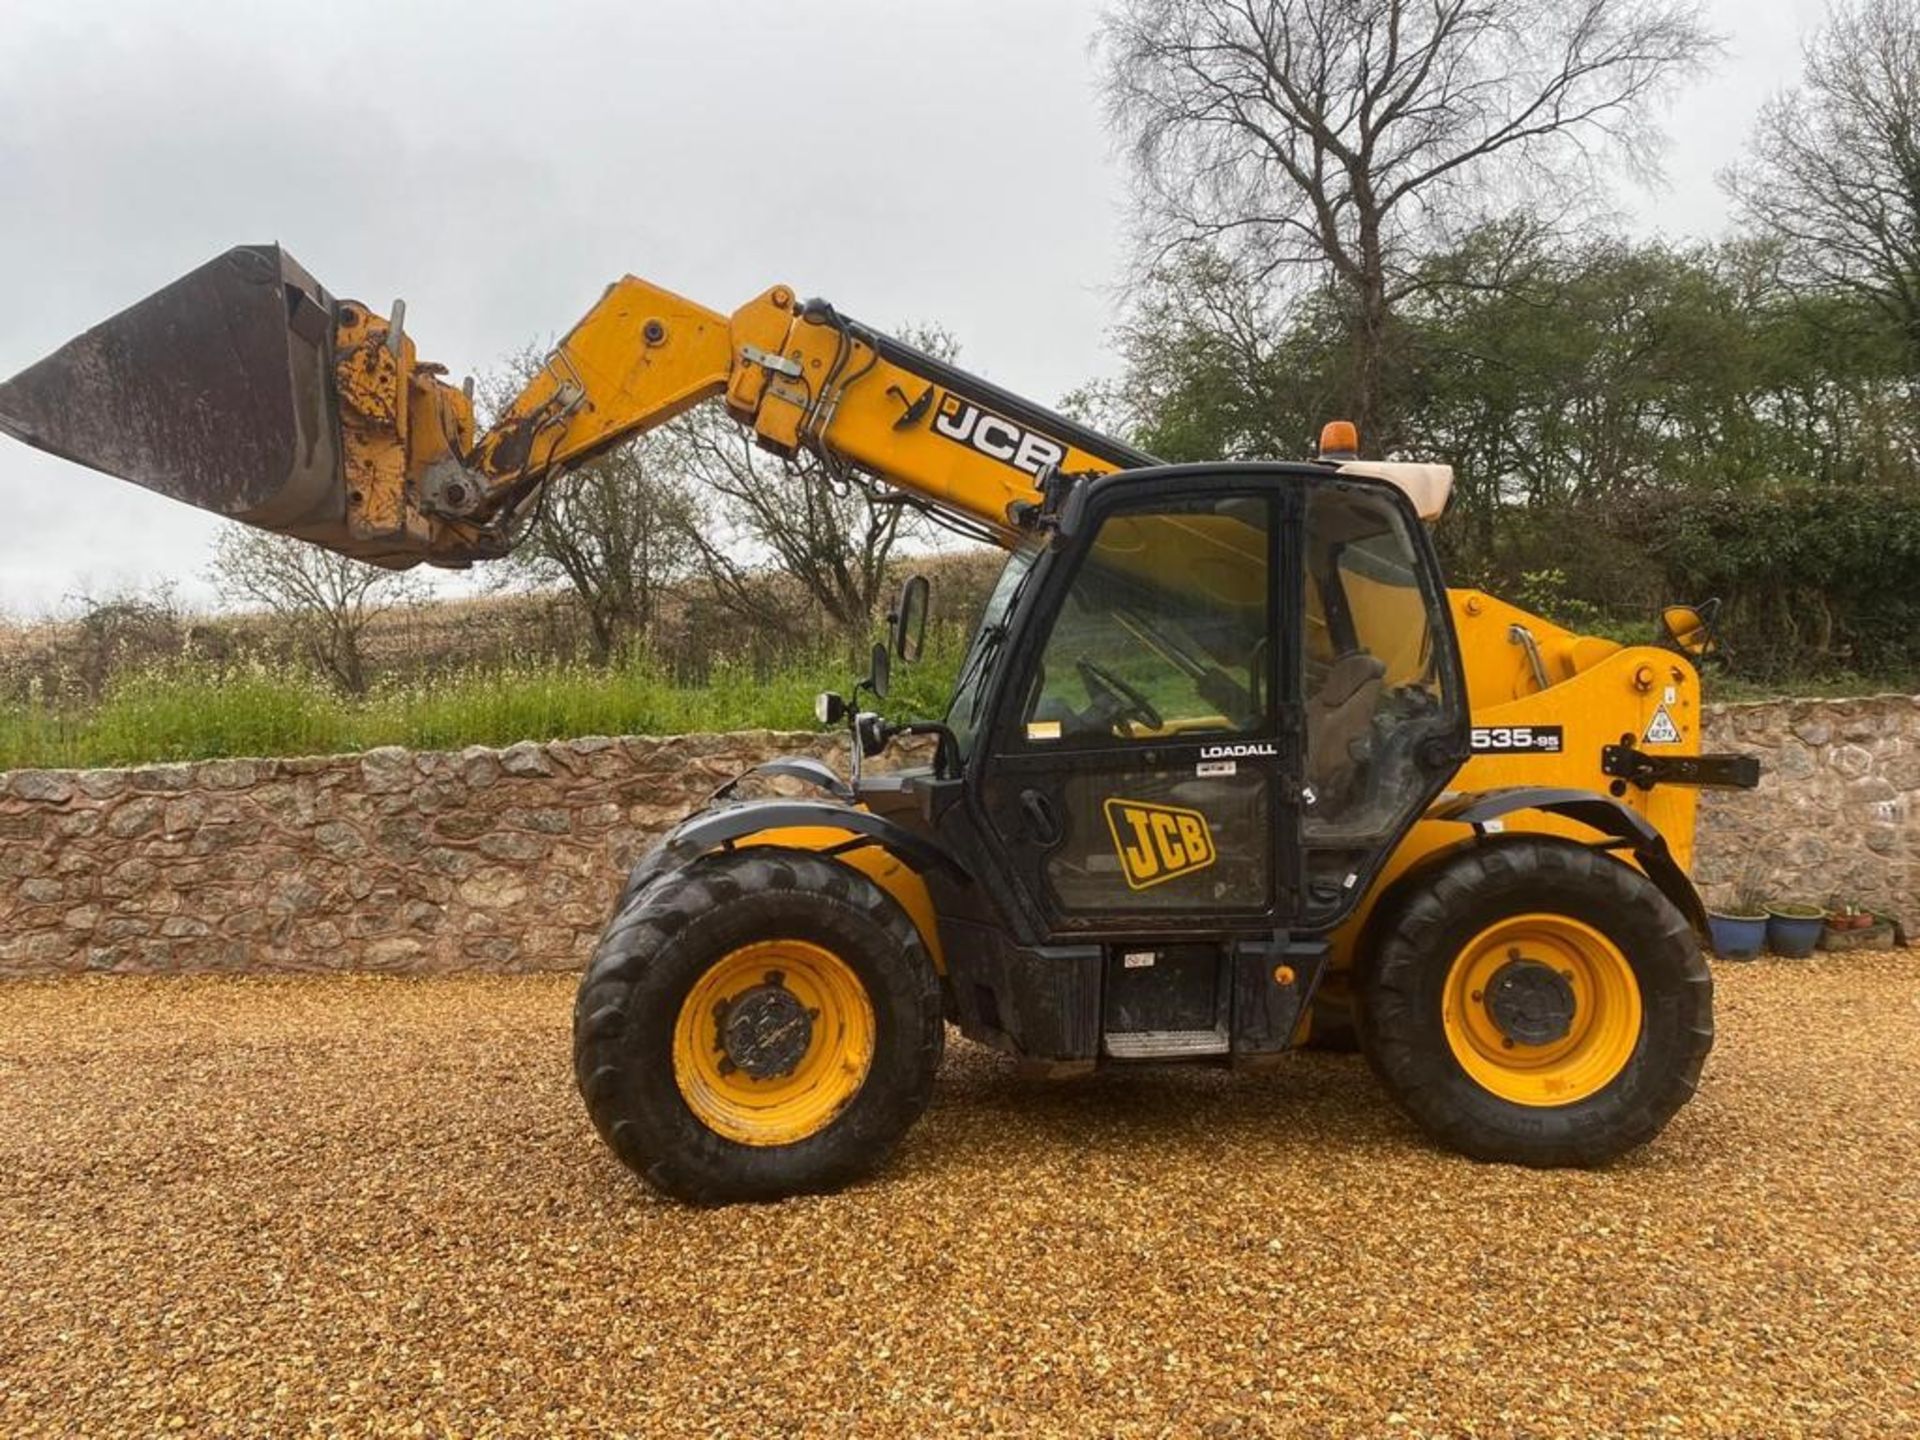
[(1372, 680), (1164, 631)]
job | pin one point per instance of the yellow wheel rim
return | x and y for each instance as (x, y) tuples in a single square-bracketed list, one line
[(772, 1042), (1542, 1010)]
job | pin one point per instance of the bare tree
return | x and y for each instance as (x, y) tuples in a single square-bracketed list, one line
[(831, 537), (830, 533), (122, 630), (1835, 168), (618, 532), (1324, 141), (325, 600)]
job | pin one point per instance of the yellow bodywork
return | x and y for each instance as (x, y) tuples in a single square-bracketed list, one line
[(1599, 691), (643, 355)]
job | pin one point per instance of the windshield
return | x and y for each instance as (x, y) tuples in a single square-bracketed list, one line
[(967, 709)]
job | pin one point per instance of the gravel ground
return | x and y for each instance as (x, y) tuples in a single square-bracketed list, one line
[(364, 1206)]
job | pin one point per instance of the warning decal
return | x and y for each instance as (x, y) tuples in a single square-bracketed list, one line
[(1661, 730)]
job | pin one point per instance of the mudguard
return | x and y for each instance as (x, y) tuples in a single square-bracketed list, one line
[(716, 829), (893, 857), (1596, 812), (816, 773)]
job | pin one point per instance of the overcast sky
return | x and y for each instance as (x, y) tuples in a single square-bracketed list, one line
[(498, 164)]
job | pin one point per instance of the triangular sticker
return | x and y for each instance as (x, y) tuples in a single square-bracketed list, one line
[(1661, 730)]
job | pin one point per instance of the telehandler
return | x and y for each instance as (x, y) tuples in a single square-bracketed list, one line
[(1226, 763)]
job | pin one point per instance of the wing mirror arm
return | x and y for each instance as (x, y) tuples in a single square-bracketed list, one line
[(946, 750)]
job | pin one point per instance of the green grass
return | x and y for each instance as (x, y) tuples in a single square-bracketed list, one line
[(195, 713), (198, 713), (1722, 685)]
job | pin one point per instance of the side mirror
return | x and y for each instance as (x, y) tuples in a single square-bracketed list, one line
[(877, 677), (909, 618), (1689, 628)]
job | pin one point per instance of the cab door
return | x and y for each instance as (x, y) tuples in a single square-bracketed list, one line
[(1142, 765), (1382, 695)]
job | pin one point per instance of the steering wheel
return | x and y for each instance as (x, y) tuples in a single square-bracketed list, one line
[(1109, 690)]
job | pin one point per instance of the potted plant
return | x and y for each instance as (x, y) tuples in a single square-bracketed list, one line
[(1845, 915), (1851, 926), (1741, 929), (1793, 930)]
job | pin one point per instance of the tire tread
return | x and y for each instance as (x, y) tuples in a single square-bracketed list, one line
[(657, 929), (1419, 933)]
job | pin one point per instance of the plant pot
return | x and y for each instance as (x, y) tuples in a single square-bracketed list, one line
[(1876, 934), (1737, 937), (1794, 930)]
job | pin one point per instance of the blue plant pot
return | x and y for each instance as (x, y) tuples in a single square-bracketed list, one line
[(1794, 936), (1737, 937)]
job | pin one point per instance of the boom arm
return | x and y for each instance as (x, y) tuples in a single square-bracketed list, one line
[(246, 389), (802, 377)]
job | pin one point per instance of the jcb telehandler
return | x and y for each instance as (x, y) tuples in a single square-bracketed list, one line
[(1225, 757)]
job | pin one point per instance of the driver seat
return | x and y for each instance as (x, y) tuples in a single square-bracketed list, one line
[(1339, 714)]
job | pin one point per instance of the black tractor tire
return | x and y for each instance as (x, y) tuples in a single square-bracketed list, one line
[(1421, 931), (648, 962)]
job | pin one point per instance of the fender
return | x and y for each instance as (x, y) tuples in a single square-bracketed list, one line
[(717, 829), (895, 858), (1596, 812), (816, 773)]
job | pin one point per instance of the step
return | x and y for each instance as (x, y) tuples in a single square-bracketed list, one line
[(1167, 1044)]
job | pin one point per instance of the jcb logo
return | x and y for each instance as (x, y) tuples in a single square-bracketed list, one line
[(1158, 842), (994, 436)]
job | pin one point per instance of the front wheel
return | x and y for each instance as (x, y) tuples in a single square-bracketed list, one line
[(764, 1023), (1536, 1001)]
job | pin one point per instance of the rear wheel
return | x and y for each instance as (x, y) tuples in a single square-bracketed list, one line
[(1536, 1001), (764, 1023)]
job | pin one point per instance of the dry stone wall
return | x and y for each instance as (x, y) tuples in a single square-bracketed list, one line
[(1836, 811), (507, 859), (476, 860)]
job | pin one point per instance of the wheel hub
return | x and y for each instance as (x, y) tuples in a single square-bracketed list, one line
[(765, 1031), (1531, 1003)]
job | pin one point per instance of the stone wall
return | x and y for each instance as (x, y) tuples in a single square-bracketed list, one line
[(508, 859), (477, 860), (1836, 810)]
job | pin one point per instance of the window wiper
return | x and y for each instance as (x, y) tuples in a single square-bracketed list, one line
[(990, 640)]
